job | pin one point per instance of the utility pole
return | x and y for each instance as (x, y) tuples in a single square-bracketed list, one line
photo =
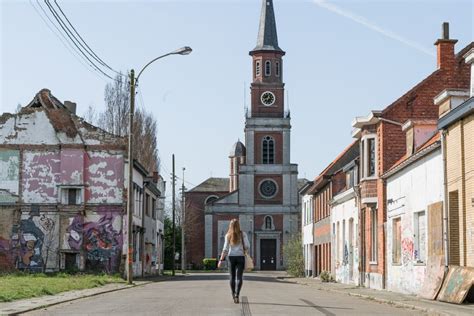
[(174, 215), (130, 180), (183, 226)]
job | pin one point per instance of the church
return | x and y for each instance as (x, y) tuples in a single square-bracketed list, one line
[(262, 187)]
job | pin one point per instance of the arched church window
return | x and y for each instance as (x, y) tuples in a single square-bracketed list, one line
[(268, 222), (268, 150), (268, 68), (210, 199), (277, 69), (257, 68)]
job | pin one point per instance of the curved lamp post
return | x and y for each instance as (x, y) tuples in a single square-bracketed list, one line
[(186, 50)]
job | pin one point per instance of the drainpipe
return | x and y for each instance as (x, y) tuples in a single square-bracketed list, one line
[(360, 233), (446, 203)]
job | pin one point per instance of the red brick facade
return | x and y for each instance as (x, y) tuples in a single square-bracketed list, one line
[(391, 142), (194, 232)]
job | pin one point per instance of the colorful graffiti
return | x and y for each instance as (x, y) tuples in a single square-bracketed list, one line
[(101, 241), (6, 259), (27, 244)]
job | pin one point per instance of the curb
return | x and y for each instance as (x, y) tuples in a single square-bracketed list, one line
[(18, 312), (376, 299)]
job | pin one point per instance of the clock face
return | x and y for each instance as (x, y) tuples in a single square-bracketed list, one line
[(267, 98)]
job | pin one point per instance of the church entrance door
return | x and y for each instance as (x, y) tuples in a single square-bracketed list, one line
[(268, 257)]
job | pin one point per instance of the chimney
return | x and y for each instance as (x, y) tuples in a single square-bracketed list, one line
[(449, 99), (417, 133), (71, 106), (445, 49), (469, 57)]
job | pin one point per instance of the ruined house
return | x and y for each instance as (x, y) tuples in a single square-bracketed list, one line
[(62, 197)]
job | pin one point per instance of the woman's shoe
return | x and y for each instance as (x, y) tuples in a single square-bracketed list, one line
[(236, 299)]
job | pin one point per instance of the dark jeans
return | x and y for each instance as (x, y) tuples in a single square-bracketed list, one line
[(236, 267)]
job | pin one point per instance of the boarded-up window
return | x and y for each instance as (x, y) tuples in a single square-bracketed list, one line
[(397, 240), (419, 221)]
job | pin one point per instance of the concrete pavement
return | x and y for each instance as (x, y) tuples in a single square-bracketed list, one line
[(209, 294), (392, 298)]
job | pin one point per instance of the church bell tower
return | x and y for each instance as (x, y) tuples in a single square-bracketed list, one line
[(268, 178)]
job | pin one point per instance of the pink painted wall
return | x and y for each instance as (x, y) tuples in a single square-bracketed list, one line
[(104, 177), (72, 166), (41, 175)]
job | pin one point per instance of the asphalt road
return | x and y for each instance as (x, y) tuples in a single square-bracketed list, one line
[(209, 294)]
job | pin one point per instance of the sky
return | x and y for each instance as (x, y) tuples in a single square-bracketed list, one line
[(344, 58)]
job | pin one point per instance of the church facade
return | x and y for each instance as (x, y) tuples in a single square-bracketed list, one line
[(262, 188)]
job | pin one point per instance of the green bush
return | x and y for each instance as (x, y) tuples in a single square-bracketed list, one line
[(293, 252), (209, 263), (326, 276)]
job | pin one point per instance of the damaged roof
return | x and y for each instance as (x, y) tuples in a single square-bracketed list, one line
[(46, 120)]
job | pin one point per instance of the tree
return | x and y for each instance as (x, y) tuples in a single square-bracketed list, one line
[(114, 119), (293, 251), (168, 262)]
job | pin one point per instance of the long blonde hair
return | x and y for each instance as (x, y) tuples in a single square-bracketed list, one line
[(234, 233)]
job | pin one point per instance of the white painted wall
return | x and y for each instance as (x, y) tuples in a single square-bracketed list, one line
[(409, 191), (307, 220), (345, 251)]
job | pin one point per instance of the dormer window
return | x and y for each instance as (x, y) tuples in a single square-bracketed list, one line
[(268, 68), (257, 68), (277, 69)]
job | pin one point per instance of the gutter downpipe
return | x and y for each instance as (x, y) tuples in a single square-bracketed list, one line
[(361, 227), (446, 204)]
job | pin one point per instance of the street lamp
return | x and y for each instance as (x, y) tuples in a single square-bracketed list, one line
[(186, 50)]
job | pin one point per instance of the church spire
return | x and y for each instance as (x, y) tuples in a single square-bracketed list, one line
[(267, 34)]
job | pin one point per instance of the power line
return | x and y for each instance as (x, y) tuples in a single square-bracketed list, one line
[(92, 53), (61, 37), (69, 33)]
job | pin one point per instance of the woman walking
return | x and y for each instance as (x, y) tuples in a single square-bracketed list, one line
[(235, 246)]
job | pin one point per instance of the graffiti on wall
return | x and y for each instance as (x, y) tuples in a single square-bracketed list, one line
[(100, 239), (407, 251)]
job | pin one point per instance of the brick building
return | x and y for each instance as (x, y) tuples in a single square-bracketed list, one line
[(383, 143), (330, 182), (263, 184)]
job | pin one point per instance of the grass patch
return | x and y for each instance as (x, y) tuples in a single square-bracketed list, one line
[(23, 285)]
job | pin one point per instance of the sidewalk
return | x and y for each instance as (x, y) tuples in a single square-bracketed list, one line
[(387, 297), (22, 306)]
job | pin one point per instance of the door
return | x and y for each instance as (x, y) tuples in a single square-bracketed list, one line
[(268, 254)]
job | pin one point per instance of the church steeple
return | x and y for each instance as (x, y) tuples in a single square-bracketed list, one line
[(267, 39)]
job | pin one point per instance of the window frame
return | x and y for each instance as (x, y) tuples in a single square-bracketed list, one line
[(397, 241), (257, 68), (373, 236), (416, 237), (365, 157), (268, 150), (277, 69), (64, 195)]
